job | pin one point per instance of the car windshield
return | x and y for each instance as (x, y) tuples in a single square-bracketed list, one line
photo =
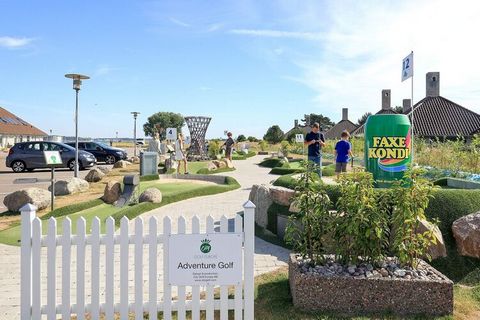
[(66, 146), (103, 145)]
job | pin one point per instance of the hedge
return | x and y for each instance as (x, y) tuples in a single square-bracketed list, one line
[(271, 163), (283, 171), (447, 205)]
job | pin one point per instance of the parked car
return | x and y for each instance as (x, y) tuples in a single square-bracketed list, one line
[(102, 151), (29, 156), (140, 142)]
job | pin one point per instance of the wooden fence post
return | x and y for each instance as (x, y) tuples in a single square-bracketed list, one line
[(249, 252), (28, 213)]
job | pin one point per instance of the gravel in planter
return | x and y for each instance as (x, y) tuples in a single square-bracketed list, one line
[(367, 289)]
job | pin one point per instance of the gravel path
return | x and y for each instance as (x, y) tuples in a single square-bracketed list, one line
[(268, 257)]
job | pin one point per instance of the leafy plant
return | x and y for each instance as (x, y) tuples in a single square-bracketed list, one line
[(241, 138), (262, 145), (285, 148), (274, 134), (213, 149), (411, 196), (361, 224), (306, 229)]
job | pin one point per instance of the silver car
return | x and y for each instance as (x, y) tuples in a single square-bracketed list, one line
[(29, 156)]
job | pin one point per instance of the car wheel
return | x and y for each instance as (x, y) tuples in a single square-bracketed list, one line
[(71, 165), (110, 159), (18, 166)]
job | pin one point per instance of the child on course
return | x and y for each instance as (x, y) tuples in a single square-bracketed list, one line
[(343, 149)]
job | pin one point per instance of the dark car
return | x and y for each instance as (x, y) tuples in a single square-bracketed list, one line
[(29, 156), (101, 151)]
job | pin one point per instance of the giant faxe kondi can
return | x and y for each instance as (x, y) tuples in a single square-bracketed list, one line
[(387, 147)]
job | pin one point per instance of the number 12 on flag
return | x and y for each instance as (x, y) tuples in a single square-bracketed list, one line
[(407, 67)]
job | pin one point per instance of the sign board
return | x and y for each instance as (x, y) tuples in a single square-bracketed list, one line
[(407, 67), (299, 137), (52, 157), (171, 133), (205, 259)]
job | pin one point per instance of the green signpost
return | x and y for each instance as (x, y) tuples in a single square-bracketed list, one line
[(387, 147)]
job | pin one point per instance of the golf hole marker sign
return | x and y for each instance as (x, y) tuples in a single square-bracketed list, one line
[(205, 259), (299, 138), (52, 157), (171, 133)]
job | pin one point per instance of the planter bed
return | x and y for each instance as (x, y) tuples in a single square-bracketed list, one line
[(364, 289)]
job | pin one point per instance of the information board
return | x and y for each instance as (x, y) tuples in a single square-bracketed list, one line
[(171, 133), (205, 259), (52, 157)]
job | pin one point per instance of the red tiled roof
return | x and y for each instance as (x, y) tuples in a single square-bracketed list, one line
[(10, 124)]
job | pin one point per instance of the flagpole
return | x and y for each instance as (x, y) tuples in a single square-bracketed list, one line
[(413, 111)]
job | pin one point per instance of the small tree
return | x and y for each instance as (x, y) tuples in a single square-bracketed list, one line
[(274, 134), (163, 120), (213, 148), (363, 118), (252, 139), (241, 138)]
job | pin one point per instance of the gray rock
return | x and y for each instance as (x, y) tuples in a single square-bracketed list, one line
[(228, 163), (112, 192), (104, 169), (438, 249), (262, 202), (69, 186), (369, 267), (40, 198), (151, 195), (94, 175), (351, 269), (399, 273), (281, 195), (122, 164), (383, 272), (466, 231)]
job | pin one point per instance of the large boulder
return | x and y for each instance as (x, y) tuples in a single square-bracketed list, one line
[(40, 198), (170, 164), (219, 164), (104, 169), (260, 196), (438, 249), (112, 192), (281, 195), (466, 231), (94, 175), (151, 195), (211, 166), (228, 163), (69, 186), (121, 164)]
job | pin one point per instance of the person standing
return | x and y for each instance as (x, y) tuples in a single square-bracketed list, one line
[(315, 141), (228, 144), (343, 149), (180, 154)]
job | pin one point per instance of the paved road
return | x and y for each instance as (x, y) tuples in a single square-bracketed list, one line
[(268, 257), (7, 177)]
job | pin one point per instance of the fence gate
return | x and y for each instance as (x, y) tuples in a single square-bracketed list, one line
[(69, 272)]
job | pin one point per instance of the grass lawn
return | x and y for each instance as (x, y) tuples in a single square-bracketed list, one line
[(171, 192), (200, 167)]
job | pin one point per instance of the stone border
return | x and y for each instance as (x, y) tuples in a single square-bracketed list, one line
[(203, 177), (362, 296)]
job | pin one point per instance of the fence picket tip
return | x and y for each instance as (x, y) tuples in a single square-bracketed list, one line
[(249, 205)]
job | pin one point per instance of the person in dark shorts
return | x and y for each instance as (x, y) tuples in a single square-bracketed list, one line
[(315, 141), (228, 146), (343, 149)]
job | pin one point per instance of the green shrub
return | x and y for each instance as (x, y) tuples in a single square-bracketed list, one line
[(273, 211), (271, 163), (149, 177), (252, 139), (285, 148), (262, 145), (328, 171), (213, 149), (241, 138)]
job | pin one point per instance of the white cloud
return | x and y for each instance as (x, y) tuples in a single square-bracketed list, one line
[(103, 70), (277, 34), (12, 42), (179, 23)]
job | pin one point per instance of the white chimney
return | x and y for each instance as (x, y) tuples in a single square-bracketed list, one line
[(386, 99)]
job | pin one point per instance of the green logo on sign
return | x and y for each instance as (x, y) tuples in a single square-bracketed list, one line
[(205, 247)]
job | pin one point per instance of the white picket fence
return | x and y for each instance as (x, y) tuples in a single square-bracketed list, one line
[(33, 305)]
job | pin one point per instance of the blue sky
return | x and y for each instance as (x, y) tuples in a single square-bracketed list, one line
[(247, 64)]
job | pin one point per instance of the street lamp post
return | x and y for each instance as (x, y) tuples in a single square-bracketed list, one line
[(135, 114), (77, 82)]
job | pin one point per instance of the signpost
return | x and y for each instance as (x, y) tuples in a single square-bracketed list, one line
[(171, 133), (300, 139), (205, 259), (52, 158)]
